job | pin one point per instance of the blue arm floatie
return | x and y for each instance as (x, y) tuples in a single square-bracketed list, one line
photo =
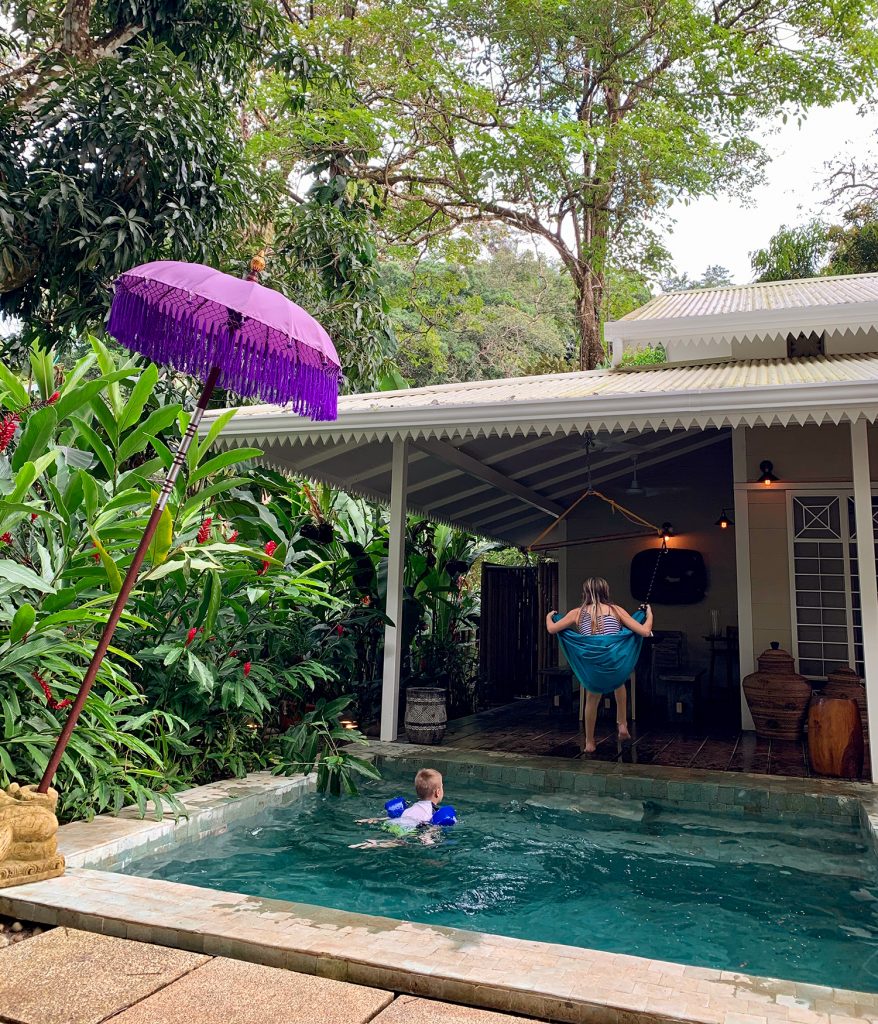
[(444, 816), (395, 807)]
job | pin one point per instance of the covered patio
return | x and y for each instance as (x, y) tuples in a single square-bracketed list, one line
[(783, 373)]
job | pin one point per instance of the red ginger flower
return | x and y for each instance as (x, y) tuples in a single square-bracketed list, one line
[(246, 668), (339, 629), (55, 705), (34, 516), (7, 430), (204, 530), (6, 538), (190, 636), (233, 536), (269, 549), (53, 398)]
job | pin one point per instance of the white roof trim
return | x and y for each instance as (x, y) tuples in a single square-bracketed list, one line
[(848, 316), (765, 405)]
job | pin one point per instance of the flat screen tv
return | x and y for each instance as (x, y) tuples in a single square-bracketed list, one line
[(681, 577)]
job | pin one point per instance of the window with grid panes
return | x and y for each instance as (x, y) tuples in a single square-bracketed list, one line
[(821, 564)]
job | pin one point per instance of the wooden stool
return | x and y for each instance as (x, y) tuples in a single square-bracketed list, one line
[(558, 683)]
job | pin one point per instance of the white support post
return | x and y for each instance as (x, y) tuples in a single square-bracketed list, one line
[(868, 578), (746, 660), (393, 608)]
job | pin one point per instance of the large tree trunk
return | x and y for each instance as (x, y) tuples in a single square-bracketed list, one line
[(588, 321), (76, 29)]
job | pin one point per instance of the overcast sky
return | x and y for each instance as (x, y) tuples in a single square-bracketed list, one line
[(725, 232)]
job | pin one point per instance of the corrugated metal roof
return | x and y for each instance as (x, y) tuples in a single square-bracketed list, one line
[(521, 428), (677, 378), (754, 298)]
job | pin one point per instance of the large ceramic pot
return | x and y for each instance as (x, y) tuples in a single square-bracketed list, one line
[(778, 696), (835, 737), (845, 684), (425, 714)]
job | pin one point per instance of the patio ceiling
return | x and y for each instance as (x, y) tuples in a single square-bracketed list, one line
[(504, 458)]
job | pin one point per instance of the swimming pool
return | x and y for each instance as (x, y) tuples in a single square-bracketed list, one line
[(792, 899)]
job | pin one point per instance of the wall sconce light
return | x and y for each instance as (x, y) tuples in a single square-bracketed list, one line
[(724, 522), (768, 477), (667, 531)]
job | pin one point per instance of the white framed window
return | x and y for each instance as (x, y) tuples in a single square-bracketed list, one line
[(827, 627)]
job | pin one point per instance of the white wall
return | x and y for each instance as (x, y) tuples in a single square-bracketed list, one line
[(801, 456)]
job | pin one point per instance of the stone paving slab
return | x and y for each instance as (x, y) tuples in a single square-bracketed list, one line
[(233, 992), (411, 1010), (72, 977), (543, 980)]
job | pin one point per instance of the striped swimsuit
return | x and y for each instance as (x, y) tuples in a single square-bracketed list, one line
[(610, 623)]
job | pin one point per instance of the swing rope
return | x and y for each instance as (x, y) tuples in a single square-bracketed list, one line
[(590, 492), (663, 550)]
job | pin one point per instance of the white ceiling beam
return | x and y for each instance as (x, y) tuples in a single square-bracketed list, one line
[(472, 467), (329, 451), (683, 449), (383, 467), (672, 438), (692, 446), (506, 453)]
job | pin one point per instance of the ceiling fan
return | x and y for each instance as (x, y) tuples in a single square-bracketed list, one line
[(636, 490), (592, 444)]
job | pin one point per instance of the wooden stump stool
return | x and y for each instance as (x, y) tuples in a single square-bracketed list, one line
[(835, 738)]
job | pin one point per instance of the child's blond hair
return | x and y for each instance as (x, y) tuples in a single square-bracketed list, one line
[(427, 781)]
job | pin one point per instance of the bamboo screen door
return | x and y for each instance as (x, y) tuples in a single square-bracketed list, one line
[(513, 643)]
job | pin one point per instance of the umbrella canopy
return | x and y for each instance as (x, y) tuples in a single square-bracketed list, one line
[(194, 318)]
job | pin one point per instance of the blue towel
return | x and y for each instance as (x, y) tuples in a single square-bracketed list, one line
[(602, 661)]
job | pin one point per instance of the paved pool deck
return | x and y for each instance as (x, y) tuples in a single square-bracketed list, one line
[(71, 977), (532, 979)]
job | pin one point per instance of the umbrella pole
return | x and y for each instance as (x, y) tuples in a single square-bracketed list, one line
[(128, 583)]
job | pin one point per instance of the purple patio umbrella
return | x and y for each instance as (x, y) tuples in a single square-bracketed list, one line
[(229, 332)]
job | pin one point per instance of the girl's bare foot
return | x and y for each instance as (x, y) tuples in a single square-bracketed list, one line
[(623, 731), (590, 748)]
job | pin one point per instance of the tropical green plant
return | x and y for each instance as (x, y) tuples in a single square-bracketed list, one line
[(190, 687), (818, 249), (317, 742), (645, 355)]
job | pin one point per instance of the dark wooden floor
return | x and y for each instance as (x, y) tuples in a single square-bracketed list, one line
[(531, 727)]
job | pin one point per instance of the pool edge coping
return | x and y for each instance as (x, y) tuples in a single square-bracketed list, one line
[(523, 977)]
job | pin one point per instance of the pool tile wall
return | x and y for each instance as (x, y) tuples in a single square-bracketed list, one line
[(112, 842), (771, 797)]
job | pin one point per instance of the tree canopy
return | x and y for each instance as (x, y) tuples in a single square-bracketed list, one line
[(578, 123), (817, 248), (714, 276), (131, 131)]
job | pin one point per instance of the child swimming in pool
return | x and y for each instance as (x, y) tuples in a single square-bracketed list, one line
[(430, 791)]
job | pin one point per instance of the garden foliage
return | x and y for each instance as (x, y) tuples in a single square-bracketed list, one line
[(255, 632), (202, 658)]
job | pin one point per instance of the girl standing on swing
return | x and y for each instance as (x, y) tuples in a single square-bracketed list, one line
[(597, 615)]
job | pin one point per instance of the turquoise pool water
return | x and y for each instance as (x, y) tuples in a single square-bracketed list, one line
[(726, 892)]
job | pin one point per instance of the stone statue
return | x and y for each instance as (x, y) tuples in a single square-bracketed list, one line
[(28, 850)]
